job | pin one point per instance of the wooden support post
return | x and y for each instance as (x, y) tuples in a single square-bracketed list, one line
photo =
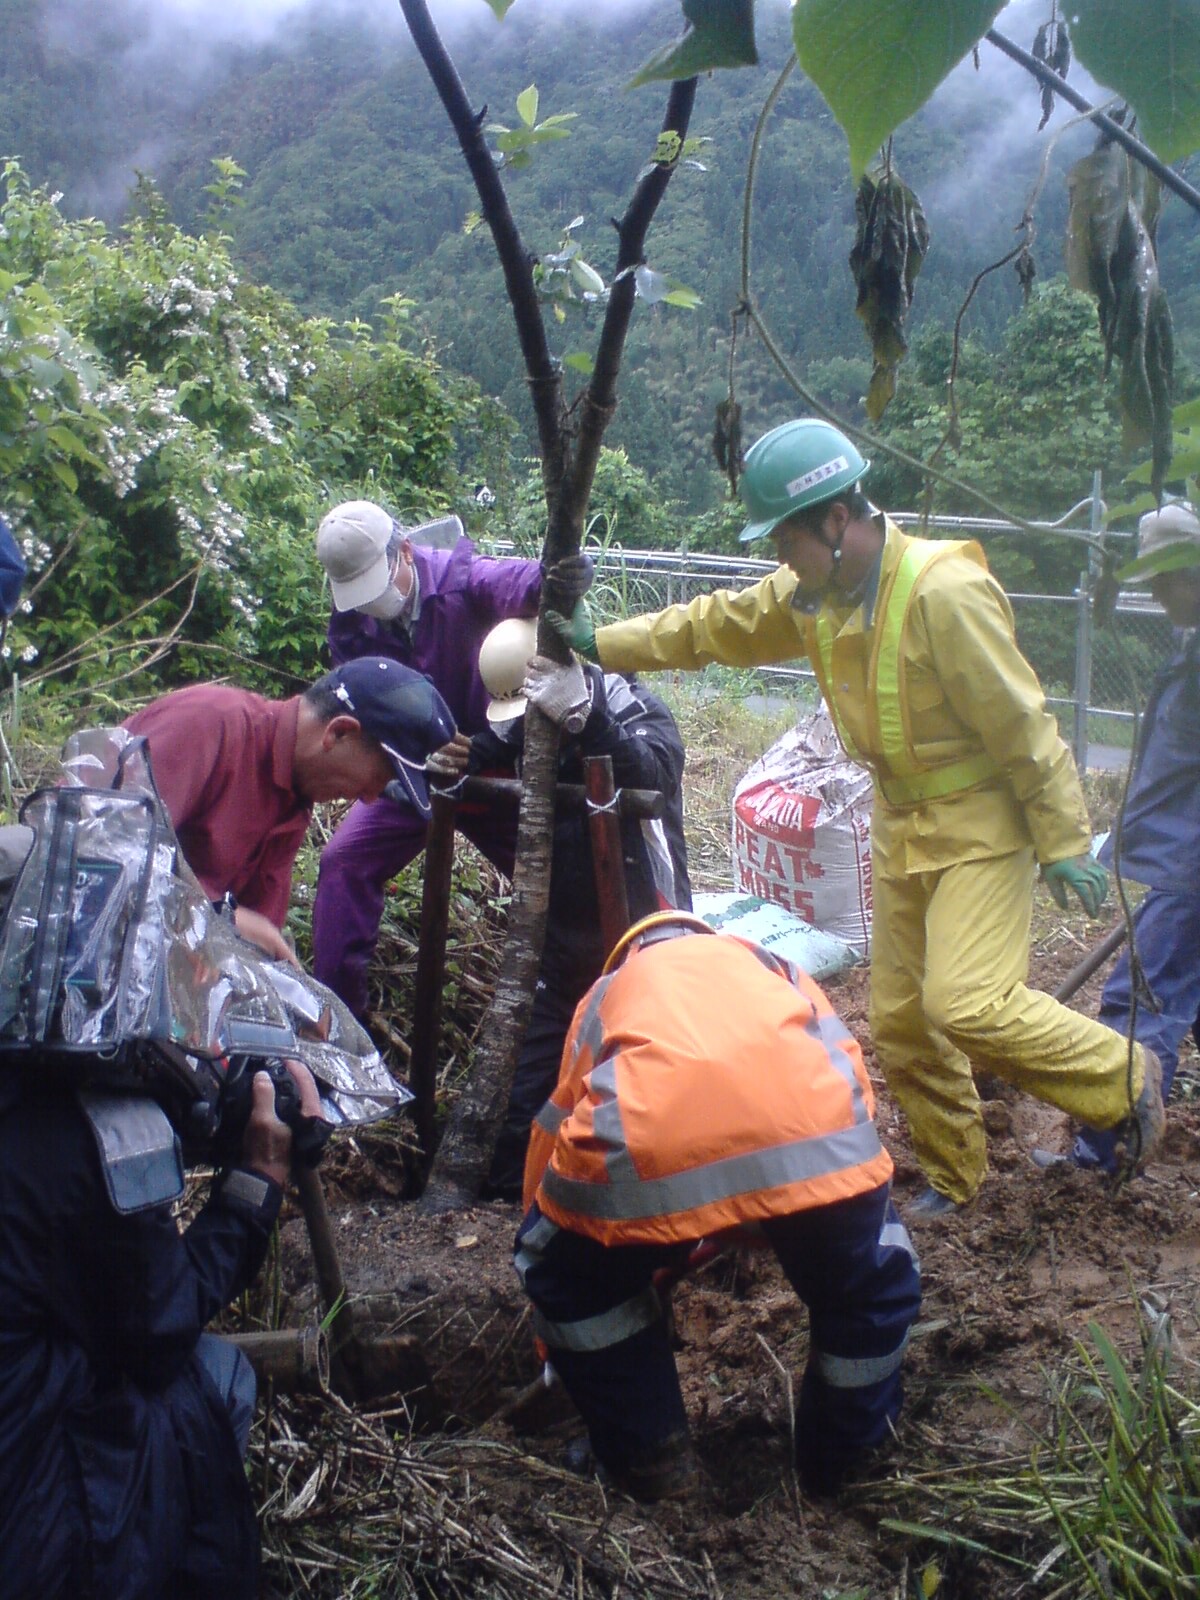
[(604, 828), (291, 1358), (570, 796), (431, 967)]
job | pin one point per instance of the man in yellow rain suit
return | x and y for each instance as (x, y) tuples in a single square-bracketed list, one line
[(913, 645)]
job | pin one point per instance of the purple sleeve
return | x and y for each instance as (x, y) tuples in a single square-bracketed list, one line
[(344, 637), (504, 588)]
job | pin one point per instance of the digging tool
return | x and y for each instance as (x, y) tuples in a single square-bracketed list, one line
[(1091, 963), (361, 1365), (431, 967)]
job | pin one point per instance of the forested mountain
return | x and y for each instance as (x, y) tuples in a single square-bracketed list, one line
[(356, 192)]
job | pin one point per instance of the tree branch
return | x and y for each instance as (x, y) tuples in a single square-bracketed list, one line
[(1047, 76), (460, 1165), (545, 375), (601, 396)]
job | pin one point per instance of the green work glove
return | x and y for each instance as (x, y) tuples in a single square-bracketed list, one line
[(577, 632), (1081, 873)]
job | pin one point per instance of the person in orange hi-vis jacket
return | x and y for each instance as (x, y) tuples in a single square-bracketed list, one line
[(708, 1086)]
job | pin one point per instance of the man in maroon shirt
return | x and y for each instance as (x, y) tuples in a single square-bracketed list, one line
[(239, 774)]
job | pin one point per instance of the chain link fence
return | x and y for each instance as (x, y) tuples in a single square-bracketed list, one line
[(1095, 677)]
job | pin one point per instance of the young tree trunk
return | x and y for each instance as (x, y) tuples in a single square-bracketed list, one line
[(569, 453)]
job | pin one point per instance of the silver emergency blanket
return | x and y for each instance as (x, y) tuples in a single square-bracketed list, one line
[(110, 947)]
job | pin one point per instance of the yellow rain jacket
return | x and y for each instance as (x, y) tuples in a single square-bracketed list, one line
[(705, 1084), (966, 692), (971, 782)]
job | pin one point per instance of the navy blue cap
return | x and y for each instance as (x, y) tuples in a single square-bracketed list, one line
[(402, 711)]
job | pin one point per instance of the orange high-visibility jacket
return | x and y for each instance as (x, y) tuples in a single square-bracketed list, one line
[(704, 1084)]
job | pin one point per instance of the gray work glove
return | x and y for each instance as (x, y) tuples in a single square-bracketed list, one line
[(560, 693)]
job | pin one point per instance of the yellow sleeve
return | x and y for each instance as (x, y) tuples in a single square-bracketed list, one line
[(745, 628), (992, 688)]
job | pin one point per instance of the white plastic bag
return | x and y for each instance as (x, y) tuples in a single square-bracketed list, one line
[(821, 955)]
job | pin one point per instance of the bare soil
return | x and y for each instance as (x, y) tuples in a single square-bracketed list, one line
[(1010, 1285)]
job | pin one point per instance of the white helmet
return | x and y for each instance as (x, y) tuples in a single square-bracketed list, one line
[(503, 657)]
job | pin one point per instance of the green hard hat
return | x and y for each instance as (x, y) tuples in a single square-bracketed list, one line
[(796, 465)]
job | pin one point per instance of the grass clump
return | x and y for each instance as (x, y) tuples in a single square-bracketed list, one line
[(1106, 1504)]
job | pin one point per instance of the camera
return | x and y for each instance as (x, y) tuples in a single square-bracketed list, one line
[(223, 1144)]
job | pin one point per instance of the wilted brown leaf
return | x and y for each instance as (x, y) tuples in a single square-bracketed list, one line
[(889, 250), (1114, 210)]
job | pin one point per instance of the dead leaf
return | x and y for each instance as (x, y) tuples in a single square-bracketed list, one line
[(1111, 227), (466, 1241), (889, 250)]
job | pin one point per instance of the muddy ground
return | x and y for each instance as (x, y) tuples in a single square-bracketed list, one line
[(1010, 1285)]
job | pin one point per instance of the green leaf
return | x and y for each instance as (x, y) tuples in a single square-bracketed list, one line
[(1115, 1367), (720, 33), (683, 296), (501, 7), (527, 105), (64, 474), (71, 444), (587, 277), (1185, 462), (580, 361), (1159, 75), (878, 61), (650, 286)]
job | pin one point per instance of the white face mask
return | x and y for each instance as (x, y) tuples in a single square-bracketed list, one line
[(388, 605)]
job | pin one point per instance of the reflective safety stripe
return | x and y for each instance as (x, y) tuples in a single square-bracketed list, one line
[(830, 1031), (857, 1372), (886, 706), (531, 1245), (627, 1197), (590, 1032), (607, 1123), (605, 1328), (832, 1034), (551, 1117), (895, 1236), (907, 781), (938, 782)]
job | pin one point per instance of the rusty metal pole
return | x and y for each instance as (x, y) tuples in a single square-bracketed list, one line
[(608, 862), (330, 1282), (431, 967), (1095, 958)]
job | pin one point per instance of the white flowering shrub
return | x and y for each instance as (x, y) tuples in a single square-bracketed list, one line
[(171, 433)]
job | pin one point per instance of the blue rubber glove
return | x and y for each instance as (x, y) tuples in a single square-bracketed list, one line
[(577, 632), (1081, 873)]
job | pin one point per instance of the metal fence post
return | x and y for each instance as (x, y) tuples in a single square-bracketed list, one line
[(1083, 636)]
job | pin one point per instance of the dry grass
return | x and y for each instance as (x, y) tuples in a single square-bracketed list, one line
[(355, 1505)]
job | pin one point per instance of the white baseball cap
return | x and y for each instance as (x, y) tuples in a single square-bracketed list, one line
[(352, 546), (1168, 540)]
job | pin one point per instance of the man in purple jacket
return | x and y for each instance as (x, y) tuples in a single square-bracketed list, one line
[(423, 597)]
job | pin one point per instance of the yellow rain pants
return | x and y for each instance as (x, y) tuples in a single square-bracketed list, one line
[(949, 960)]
